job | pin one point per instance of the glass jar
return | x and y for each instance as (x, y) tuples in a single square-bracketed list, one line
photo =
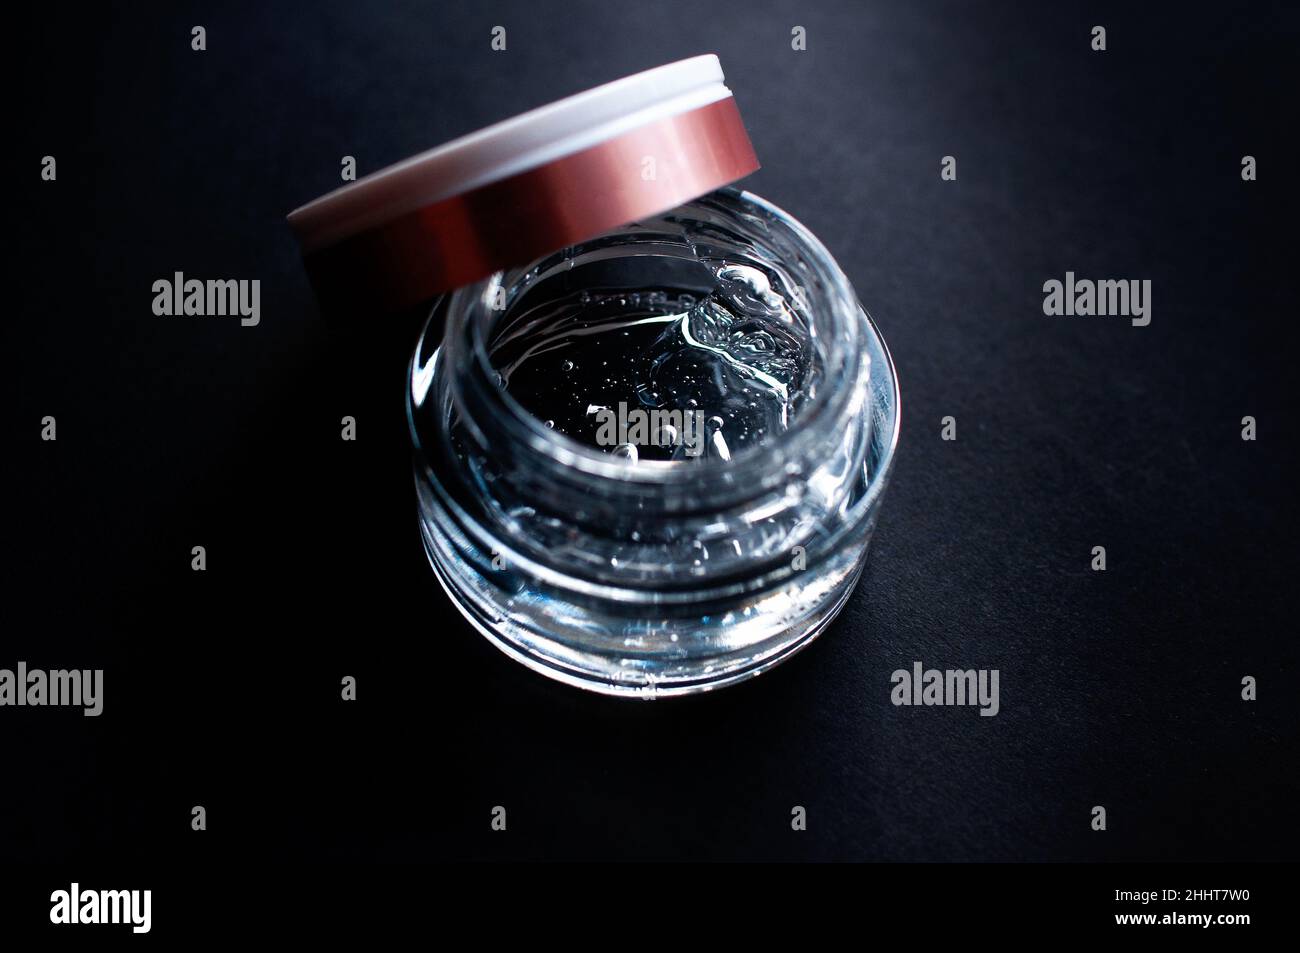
[(643, 568)]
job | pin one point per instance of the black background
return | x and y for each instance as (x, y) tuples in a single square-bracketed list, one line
[(222, 688)]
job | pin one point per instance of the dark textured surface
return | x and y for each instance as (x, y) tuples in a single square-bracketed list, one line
[(1118, 688)]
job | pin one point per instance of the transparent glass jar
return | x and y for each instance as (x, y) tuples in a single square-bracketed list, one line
[(653, 577)]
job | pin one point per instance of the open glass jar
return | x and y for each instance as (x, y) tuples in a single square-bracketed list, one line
[(652, 423), (673, 563)]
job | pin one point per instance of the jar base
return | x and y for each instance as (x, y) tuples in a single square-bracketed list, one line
[(626, 675)]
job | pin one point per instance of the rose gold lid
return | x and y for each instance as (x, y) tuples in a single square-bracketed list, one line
[(524, 187)]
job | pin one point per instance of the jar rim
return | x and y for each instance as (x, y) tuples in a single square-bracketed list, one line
[(793, 444)]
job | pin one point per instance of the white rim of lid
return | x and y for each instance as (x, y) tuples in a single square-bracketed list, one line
[(509, 147)]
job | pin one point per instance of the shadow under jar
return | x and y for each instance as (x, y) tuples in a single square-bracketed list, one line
[(650, 464)]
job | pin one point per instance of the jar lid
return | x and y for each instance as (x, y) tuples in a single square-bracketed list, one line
[(522, 188)]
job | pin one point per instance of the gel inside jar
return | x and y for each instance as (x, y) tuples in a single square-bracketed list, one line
[(650, 464)]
